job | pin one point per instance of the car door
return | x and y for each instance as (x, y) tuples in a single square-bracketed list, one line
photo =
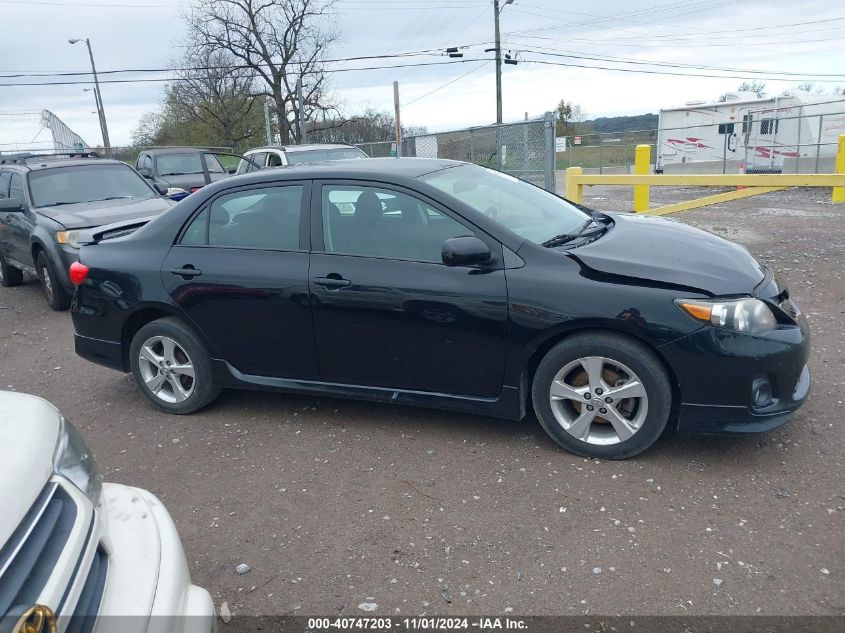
[(387, 311), (18, 226), (239, 271)]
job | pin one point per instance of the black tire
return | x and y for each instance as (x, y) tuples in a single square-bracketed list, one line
[(642, 361), (54, 292), (9, 275), (202, 388)]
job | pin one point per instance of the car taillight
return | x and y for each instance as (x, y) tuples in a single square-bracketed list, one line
[(78, 273), (193, 189)]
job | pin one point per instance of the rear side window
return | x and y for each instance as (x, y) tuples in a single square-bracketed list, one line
[(274, 161), (5, 177), (266, 218), (16, 188), (246, 166)]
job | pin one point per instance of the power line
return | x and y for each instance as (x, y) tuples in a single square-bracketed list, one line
[(448, 83)]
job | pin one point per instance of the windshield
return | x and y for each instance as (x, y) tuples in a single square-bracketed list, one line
[(86, 183), (187, 163), (528, 211), (319, 155)]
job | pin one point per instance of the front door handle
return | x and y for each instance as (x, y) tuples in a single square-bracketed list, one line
[(186, 272), (332, 282)]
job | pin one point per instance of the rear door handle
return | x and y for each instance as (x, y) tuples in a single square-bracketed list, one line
[(332, 282), (186, 272)]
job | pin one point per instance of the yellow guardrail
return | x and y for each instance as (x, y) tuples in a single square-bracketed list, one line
[(748, 184)]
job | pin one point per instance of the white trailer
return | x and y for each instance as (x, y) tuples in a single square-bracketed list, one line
[(794, 132)]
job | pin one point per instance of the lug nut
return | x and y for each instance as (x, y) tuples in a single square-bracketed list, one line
[(608, 400), (589, 407), (602, 410), (598, 391), (587, 396)]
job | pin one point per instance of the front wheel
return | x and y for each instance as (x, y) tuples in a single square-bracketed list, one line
[(55, 294), (602, 395), (171, 367)]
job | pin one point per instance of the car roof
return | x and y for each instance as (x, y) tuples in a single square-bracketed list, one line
[(300, 148), (175, 150), (36, 165), (371, 169)]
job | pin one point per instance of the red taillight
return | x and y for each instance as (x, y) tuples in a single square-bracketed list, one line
[(78, 273), (193, 189)]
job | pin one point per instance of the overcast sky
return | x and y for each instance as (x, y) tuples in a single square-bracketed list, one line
[(769, 35)]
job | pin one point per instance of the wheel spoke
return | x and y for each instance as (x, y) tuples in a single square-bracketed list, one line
[(580, 427), (169, 347), (623, 427), (148, 355), (185, 370), (593, 365), (179, 393), (562, 391), (156, 383), (631, 389)]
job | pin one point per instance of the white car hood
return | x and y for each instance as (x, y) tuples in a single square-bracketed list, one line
[(29, 430)]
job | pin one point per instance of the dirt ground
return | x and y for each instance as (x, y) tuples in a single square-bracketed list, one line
[(334, 503)]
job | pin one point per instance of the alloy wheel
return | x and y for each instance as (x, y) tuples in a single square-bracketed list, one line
[(598, 400), (166, 369), (46, 282)]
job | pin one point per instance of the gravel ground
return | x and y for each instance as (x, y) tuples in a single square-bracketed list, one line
[(334, 504)]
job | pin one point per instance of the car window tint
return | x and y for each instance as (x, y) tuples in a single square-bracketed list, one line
[(274, 160), (5, 177), (266, 218), (382, 223), (196, 234), (16, 188)]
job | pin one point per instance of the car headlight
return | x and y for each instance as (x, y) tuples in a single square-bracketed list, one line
[(73, 461), (751, 316), (71, 238)]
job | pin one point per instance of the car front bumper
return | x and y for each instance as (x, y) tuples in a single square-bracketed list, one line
[(148, 588), (720, 373)]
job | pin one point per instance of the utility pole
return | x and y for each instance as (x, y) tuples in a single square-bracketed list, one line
[(98, 97), (496, 12), (398, 123), (303, 133), (267, 121)]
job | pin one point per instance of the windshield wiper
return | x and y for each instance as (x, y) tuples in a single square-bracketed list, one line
[(110, 198), (181, 173), (58, 204), (564, 238)]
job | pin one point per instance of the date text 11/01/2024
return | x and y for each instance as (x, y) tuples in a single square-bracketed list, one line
[(418, 624)]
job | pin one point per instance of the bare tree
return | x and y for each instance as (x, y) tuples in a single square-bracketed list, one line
[(280, 41), (218, 93)]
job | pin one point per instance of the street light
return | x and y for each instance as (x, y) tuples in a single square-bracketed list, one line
[(496, 12), (98, 97)]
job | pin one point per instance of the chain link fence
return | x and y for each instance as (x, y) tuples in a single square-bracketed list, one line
[(524, 149)]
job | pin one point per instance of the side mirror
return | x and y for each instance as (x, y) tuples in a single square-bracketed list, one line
[(10, 205), (465, 251), (232, 169), (145, 172), (161, 187)]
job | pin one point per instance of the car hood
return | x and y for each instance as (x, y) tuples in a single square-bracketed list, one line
[(187, 181), (77, 216), (29, 430), (672, 253)]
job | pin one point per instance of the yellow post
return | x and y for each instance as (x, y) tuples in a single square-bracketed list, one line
[(839, 192), (642, 166), (574, 189)]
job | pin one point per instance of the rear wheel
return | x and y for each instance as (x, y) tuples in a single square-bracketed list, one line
[(55, 294), (9, 275), (171, 367), (602, 395)]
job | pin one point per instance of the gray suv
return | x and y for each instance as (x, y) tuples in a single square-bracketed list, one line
[(46, 200)]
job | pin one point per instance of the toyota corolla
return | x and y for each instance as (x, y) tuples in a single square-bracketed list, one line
[(443, 284)]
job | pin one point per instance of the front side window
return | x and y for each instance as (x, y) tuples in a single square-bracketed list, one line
[(181, 164), (87, 183), (5, 177), (376, 222), (528, 211), (266, 218), (16, 189)]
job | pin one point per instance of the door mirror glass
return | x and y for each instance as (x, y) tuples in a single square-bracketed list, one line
[(10, 205), (161, 187), (145, 172), (465, 251)]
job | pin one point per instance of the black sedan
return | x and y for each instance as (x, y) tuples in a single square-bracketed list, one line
[(443, 284)]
